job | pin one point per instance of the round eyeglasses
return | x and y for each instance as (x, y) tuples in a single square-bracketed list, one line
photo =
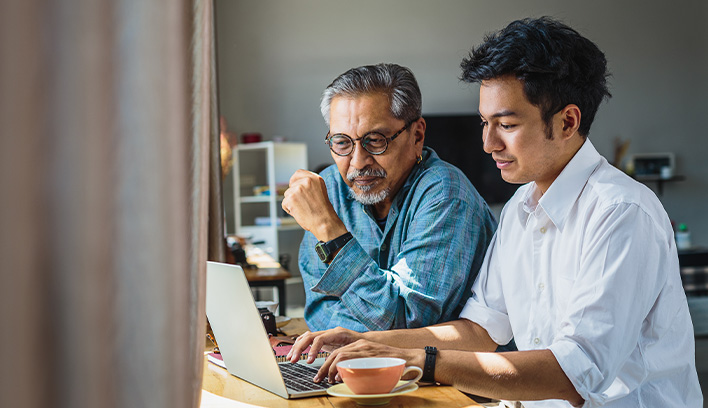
[(372, 142)]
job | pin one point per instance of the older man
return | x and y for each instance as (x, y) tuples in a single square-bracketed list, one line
[(583, 270), (395, 235)]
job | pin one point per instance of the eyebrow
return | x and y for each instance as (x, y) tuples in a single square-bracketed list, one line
[(500, 114), (377, 129)]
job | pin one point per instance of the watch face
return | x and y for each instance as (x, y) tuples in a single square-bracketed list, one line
[(321, 252)]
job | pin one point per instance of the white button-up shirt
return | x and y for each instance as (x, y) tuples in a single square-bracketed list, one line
[(590, 271)]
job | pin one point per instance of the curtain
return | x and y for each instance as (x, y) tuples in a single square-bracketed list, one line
[(107, 159)]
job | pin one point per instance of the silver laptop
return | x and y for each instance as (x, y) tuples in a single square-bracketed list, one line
[(243, 340)]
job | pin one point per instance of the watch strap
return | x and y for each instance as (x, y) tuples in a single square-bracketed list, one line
[(429, 369), (339, 242), (330, 247)]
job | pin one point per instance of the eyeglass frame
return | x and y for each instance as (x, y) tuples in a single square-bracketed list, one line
[(329, 137)]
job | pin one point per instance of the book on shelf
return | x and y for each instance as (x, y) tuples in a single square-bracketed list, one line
[(265, 221)]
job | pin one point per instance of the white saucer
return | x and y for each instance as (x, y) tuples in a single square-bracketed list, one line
[(341, 390), (281, 321)]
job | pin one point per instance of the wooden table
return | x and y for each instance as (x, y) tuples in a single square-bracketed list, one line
[(219, 382)]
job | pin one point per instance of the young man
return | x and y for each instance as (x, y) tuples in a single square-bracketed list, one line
[(395, 235), (582, 271)]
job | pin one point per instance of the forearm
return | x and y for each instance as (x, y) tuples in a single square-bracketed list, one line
[(455, 335), (407, 344), (522, 375)]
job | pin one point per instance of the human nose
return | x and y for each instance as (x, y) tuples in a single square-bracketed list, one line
[(360, 158), (491, 141)]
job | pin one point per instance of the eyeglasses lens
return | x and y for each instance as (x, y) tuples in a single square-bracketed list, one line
[(340, 144), (343, 145), (374, 143)]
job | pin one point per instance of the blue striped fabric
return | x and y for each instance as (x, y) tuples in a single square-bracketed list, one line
[(416, 272)]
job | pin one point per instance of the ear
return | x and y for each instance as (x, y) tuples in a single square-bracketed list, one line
[(570, 120), (419, 133)]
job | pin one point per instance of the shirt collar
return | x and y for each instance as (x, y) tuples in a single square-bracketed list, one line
[(565, 189)]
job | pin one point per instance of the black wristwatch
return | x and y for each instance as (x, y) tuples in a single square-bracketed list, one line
[(429, 369), (326, 250)]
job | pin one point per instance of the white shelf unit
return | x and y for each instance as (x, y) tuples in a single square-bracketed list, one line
[(267, 164)]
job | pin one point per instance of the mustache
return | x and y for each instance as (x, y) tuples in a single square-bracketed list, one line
[(367, 172), (495, 158)]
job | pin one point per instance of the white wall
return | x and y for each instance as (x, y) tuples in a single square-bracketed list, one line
[(276, 57)]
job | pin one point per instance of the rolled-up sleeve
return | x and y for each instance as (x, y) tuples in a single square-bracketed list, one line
[(487, 306), (580, 369)]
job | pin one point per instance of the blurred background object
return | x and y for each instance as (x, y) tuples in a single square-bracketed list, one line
[(108, 162), (227, 140)]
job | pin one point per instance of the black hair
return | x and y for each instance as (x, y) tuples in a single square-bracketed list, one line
[(556, 64)]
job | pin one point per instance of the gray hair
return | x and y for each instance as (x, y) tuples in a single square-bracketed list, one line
[(393, 80)]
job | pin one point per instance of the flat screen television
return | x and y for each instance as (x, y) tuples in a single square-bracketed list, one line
[(457, 139)]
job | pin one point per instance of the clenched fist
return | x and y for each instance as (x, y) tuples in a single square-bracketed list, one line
[(307, 201)]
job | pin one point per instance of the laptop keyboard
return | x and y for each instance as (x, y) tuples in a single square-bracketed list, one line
[(298, 377)]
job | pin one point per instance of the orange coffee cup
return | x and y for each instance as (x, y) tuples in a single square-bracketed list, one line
[(375, 375)]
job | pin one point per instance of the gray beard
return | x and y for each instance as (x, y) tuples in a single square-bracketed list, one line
[(369, 198), (365, 197)]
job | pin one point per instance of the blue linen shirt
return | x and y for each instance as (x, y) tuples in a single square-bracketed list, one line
[(418, 271)]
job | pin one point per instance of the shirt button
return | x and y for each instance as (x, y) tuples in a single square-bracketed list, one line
[(536, 341), (541, 286), (383, 247), (543, 230)]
